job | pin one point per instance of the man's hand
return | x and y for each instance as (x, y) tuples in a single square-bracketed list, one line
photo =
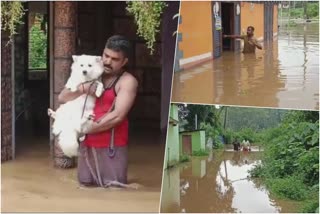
[(88, 88), (254, 41), (66, 95)]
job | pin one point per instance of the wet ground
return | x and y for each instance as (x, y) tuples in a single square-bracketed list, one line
[(219, 183), (31, 184), (284, 74)]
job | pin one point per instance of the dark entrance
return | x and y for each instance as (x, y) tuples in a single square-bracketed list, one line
[(227, 15), (31, 79)]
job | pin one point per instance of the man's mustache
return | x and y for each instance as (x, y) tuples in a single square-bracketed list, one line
[(107, 66)]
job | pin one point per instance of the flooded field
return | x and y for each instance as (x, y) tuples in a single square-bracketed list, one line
[(219, 183), (31, 184), (284, 74)]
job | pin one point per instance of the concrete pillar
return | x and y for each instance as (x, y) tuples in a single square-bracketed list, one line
[(64, 46)]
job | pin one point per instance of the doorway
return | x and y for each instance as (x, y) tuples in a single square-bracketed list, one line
[(187, 144), (31, 85), (227, 15)]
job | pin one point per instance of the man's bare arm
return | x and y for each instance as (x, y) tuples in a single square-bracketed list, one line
[(256, 43), (67, 95), (124, 101), (233, 36)]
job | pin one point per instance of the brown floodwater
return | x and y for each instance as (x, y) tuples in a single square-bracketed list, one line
[(219, 183), (284, 74), (30, 183)]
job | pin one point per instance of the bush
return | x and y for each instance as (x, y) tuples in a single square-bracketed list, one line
[(290, 187), (184, 158), (311, 207)]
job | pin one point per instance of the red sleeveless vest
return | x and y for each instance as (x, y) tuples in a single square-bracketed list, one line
[(102, 139)]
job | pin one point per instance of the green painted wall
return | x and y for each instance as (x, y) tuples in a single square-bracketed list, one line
[(170, 188), (172, 145), (198, 140), (198, 167)]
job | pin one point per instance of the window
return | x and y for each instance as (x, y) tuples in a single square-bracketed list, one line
[(38, 27)]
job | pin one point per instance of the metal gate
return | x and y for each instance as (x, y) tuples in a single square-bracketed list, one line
[(237, 24), (268, 21), (217, 34)]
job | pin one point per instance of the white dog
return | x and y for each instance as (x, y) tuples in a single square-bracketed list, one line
[(73, 117)]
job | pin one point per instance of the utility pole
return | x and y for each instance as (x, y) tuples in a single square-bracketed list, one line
[(196, 122), (225, 118), (305, 10)]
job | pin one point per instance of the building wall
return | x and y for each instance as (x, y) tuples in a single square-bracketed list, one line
[(275, 19), (202, 139), (170, 196), (172, 145), (6, 99), (252, 16), (198, 167), (196, 32)]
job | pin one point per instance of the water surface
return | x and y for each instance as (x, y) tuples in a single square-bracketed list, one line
[(219, 183), (284, 74)]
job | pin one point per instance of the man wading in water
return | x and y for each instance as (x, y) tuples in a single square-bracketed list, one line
[(250, 42), (103, 157)]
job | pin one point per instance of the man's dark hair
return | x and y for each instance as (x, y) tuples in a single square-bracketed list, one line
[(119, 43), (252, 28)]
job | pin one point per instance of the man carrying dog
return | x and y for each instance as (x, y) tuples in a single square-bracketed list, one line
[(250, 42), (103, 157)]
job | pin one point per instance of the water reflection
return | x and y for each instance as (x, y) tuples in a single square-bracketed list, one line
[(284, 74), (218, 183)]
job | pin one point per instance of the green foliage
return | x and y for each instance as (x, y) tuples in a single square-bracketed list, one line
[(290, 165), (313, 9), (37, 46), (147, 16), (311, 206), (289, 187), (201, 152), (184, 158), (254, 118), (11, 15)]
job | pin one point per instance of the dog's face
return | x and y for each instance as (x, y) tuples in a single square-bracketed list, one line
[(87, 67)]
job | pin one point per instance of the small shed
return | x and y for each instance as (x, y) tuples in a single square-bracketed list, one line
[(192, 141)]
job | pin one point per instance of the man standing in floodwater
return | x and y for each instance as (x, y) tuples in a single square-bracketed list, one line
[(103, 157), (250, 42)]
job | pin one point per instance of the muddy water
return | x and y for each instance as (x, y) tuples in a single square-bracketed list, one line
[(219, 183), (284, 74), (31, 184)]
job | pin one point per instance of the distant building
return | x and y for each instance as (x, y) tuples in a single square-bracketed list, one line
[(202, 24)]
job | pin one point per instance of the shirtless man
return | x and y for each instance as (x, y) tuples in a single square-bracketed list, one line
[(103, 158), (250, 42)]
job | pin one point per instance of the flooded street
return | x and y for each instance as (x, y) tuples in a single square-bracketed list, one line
[(284, 74), (219, 183), (31, 184)]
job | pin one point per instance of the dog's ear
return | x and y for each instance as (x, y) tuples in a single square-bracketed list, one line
[(98, 58), (74, 57)]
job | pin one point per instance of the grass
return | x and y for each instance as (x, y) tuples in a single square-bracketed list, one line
[(184, 158), (201, 152)]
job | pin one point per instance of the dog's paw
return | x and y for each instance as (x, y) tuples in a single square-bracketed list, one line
[(88, 116), (51, 113), (99, 89)]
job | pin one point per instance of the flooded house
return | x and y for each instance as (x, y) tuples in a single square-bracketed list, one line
[(205, 30), (77, 28)]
